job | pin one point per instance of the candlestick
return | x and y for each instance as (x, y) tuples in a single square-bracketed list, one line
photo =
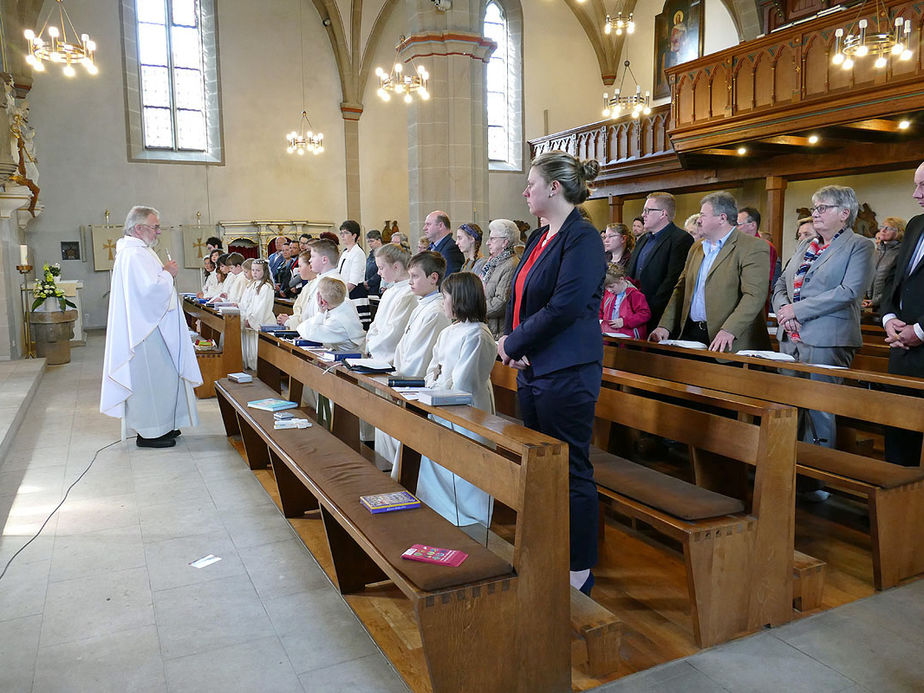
[(23, 255)]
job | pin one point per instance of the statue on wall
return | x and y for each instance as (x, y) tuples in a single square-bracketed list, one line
[(22, 145), (386, 231)]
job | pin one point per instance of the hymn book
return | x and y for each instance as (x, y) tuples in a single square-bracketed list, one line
[(432, 554), (272, 404), (387, 502)]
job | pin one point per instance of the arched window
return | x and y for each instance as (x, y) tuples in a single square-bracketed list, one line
[(172, 80), (503, 85)]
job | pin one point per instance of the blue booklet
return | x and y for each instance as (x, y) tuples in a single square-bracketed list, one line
[(272, 404)]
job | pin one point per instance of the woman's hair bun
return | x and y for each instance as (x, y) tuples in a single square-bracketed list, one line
[(589, 169)]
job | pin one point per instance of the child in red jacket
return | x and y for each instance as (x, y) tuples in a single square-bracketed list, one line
[(624, 309)]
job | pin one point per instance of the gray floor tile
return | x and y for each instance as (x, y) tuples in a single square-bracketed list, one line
[(318, 629), (129, 660), (370, 674), (764, 663), (282, 568), (674, 677), (39, 549), (252, 526), (79, 555), (209, 615), (171, 520), (184, 488), (97, 605), (23, 516), (47, 480), (236, 492), (861, 650), (168, 561), (19, 639), (258, 665), (83, 515), (22, 592)]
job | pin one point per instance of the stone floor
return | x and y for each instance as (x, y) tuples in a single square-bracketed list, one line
[(105, 598)]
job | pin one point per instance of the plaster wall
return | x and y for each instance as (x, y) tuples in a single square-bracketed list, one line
[(82, 150)]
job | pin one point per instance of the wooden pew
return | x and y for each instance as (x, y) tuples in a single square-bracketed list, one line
[(226, 331), (873, 355), (739, 564), (895, 494), (597, 630), (283, 306), (523, 614)]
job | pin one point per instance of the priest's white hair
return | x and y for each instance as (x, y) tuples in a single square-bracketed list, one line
[(137, 215)]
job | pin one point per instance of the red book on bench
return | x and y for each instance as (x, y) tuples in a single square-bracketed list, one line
[(431, 554)]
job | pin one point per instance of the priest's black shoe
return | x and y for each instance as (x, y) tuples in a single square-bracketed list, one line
[(175, 433), (165, 441)]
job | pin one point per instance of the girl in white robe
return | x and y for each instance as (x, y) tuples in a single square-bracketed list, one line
[(415, 347), (258, 310), (463, 357), (396, 305)]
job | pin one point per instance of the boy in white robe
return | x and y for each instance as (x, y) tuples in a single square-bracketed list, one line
[(149, 365), (415, 348), (337, 325), (236, 281), (322, 261), (463, 358)]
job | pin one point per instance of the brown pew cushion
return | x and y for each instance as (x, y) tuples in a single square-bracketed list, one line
[(666, 493), (343, 475)]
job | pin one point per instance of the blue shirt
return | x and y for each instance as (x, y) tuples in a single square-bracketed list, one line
[(710, 253)]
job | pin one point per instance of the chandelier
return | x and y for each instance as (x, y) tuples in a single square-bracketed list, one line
[(60, 47), (619, 24), (634, 103), (399, 83), (304, 139), (884, 44)]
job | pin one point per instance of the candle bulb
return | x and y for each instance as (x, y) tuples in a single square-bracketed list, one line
[(23, 255)]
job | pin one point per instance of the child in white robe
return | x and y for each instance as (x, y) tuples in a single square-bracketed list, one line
[(257, 309), (395, 306), (337, 325), (415, 348), (463, 357)]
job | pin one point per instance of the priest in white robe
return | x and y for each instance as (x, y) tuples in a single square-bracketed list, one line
[(149, 366)]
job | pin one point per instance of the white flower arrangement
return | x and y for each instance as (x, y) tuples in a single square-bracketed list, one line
[(46, 288)]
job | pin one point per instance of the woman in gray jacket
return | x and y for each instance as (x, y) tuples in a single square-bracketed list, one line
[(497, 271), (888, 244)]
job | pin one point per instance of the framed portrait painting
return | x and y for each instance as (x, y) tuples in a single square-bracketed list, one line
[(678, 38)]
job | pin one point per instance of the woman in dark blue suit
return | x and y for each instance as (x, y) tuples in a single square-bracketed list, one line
[(553, 334)]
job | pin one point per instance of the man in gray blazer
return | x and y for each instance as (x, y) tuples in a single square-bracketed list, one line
[(817, 297)]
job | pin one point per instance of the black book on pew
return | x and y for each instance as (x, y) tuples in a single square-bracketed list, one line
[(307, 343), (272, 328), (286, 334), (368, 366)]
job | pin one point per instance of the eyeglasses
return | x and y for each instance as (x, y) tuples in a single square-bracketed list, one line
[(156, 227), (821, 209), (497, 238), (651, 210)]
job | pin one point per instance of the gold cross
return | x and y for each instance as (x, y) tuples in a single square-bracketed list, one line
[(199, 245), (109, 245)]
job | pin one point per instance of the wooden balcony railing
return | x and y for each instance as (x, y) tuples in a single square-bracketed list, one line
[(615, 143), (785, 82)]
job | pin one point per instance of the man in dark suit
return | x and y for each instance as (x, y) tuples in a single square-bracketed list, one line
[(902, 311), (660, 255), (439, 233)]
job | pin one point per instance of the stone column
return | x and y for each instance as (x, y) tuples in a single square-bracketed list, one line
[(447, 134), (11, 346), (351, 113)]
